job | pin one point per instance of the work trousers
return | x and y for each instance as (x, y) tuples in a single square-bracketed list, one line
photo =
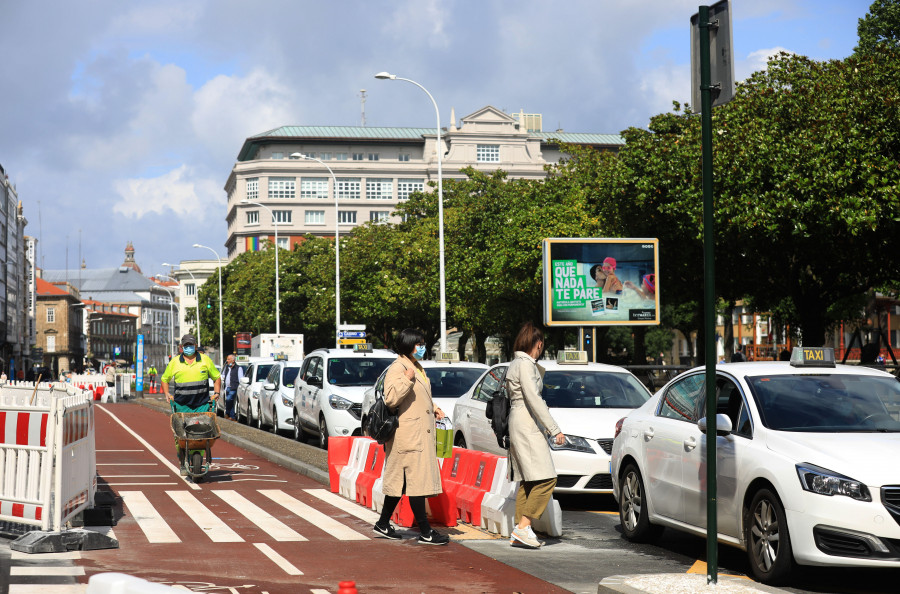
[(533, 497)]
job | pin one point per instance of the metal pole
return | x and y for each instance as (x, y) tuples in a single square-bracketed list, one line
[(221, 337), (709, 300), (277, 282)]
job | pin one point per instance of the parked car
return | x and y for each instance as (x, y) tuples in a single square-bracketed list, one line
[(585, 399), (247, 405), (449, 381), (276, 399), (329, 391), (805, 454)]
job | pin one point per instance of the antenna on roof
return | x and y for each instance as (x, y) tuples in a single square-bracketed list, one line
[(362, 106)]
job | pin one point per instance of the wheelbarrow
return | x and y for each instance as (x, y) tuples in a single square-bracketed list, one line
[(195, 433)]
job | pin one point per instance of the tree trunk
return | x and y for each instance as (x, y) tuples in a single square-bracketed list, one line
[(640, 349), (463, 341), (479, 349)]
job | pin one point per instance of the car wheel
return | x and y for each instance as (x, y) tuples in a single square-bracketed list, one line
[(767, 538), (323, 433), (274, 428), (298, 430), (259, 419), (633, 511), (460, 441)]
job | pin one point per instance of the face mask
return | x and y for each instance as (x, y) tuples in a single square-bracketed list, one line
[(420, 352), (190, 350)]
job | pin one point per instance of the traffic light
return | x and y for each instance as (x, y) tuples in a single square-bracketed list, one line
[(208, 304)]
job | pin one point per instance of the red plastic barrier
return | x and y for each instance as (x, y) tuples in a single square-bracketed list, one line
[(403, 515), (338, 456), (469, 496), (98, 393), (367, 478), (453, 472)]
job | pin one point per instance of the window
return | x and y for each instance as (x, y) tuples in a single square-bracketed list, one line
[(379, 216), (347, 217), (252, 188), (51, 344), (284, 243), (282, 187), (278, 155), (282, 216), (252, 217), (405, 187), (190, 289), (488, 153), (315, 217), (683, 399), (340, 156), (403, 158), (373, 156), (379, 189), (490, 384), (325, 156), (348, 187), (314, 187), (358, 156), (51, 315)]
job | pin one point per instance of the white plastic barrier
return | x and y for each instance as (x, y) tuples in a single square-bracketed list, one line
[(47, 454), (550, 522), (377, 495), (121, 583), (498, 507), (356, 464)]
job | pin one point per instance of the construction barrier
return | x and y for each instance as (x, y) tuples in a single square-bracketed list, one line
[(122, 583), (47, 454)]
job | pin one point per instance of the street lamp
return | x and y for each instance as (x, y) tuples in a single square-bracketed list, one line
[(221, 341), (199, 342), (440, 150), (171, 316), (277, 300), (337, 251)]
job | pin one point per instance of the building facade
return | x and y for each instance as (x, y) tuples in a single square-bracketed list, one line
[(191, 275), (372, 170), (59, 314), (12, 278), (110, 332)]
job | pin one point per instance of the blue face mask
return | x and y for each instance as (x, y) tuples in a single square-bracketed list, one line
[(420, 352), (190, 350)]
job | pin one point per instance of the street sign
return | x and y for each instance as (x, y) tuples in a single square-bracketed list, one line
[(352, 334), (721, 61), (359, 327), (353, 341)]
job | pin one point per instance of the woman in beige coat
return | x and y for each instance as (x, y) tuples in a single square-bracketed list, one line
[(529, 425), (410, 464)]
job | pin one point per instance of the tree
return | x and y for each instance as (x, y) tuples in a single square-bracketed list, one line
[(880, 26)]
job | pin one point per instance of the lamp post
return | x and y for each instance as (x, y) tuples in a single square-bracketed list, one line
[(337, 251), (199, 342), (277, 300), (221, 341), (440, 150), (171, 316)]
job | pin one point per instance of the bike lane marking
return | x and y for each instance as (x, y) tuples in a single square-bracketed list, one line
[(345, 505), (206, 520), (314, 516), (277, 559), (263, 519), (148, 519)]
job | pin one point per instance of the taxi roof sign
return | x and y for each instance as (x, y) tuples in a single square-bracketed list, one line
[(812, 357), (452, 357), (363, 348), (572, 357)]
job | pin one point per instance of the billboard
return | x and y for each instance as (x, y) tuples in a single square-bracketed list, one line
[(242, 342), (601, 281)]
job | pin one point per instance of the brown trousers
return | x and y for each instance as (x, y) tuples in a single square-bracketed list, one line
[(533, 497)]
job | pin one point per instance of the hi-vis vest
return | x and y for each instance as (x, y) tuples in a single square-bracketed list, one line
[(189, 382)]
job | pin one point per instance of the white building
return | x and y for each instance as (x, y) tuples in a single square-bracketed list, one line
[(373, 170), (191, 275)]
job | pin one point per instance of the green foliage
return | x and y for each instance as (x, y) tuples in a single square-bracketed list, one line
[(659, 340), (880, 26)]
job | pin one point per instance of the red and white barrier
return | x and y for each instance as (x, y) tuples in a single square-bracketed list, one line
[(359, 454), (498, 506)]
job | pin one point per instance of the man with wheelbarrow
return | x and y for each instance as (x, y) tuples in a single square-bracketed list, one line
[(189, 375)]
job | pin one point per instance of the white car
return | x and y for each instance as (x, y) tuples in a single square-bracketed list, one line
[(276, 399), (247, 406), (585, 400), (329, 391), (449, 381), (805, 458)]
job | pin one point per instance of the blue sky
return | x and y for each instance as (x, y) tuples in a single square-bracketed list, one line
[(121, 120)]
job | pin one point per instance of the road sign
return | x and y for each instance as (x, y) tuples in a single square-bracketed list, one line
[(359, 327), (352, 334), (353, 341)]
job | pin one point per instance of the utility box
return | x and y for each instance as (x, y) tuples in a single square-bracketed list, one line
[(287, 347)]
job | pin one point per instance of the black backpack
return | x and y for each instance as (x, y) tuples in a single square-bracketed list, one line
[(497, 411), (382, 421)]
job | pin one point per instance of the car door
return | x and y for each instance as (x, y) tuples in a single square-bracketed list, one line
[(243, 391), (302, 389), (312, 374), (729, 449), (267, 397), (666, 436), (482, 435)]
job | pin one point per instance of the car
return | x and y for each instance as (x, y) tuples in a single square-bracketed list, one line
[(804, 452), (276, 399), (329, 391), (585, 399), (247, 400), (220, 401), (449, 380)]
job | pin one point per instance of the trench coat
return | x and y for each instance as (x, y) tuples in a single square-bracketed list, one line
[(412, 452), (529, 422)]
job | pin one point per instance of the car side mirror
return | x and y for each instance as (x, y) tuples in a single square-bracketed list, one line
[(723, 425), (314, 381), (245, 381), (269, 386)]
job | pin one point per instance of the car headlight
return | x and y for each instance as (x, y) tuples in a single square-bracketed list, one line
[(339, 402), (573, 443), (287, 401), (825, 482)]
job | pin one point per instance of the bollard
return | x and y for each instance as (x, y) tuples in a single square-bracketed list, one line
[(347, 588)]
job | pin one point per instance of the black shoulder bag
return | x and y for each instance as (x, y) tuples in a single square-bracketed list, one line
[(382, 421)]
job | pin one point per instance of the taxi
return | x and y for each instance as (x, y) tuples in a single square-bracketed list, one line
[(806, 455)]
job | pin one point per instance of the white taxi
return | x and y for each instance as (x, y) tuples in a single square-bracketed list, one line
[(585, 399), (806, 456)]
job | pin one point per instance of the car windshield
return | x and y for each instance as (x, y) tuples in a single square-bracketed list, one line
[(289, 376), (356, 371), (593, 389), (451, 382), (828, 403), (262, 372)]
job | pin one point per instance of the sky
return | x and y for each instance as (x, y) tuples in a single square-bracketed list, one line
[(121, 120)]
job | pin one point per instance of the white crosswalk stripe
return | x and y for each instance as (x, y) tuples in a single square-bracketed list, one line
[(150, 521), (266, 522), (206, 520), (314, 516)]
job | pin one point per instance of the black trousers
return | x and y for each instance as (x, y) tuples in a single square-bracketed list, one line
[(416, 503)]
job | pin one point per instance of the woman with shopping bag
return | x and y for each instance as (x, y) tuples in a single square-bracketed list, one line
[(410, 465)]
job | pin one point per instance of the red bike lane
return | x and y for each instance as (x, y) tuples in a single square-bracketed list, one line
[(252, 526)]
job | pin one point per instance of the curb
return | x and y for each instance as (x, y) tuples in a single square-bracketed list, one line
[(674, 583)]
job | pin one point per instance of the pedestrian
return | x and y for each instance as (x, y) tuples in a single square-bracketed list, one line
[(738, 356), (151, 371), (410, 464), (529, 425), (231, 376)]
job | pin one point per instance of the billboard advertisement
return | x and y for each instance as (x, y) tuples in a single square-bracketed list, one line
[(601, 281), (242, 341)]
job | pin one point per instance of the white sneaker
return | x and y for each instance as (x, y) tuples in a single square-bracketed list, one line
[(534, 536), (524, 538)]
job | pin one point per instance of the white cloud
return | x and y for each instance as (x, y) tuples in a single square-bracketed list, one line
[(419, 22), (663, 85), (756, 61), (178, 191)]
